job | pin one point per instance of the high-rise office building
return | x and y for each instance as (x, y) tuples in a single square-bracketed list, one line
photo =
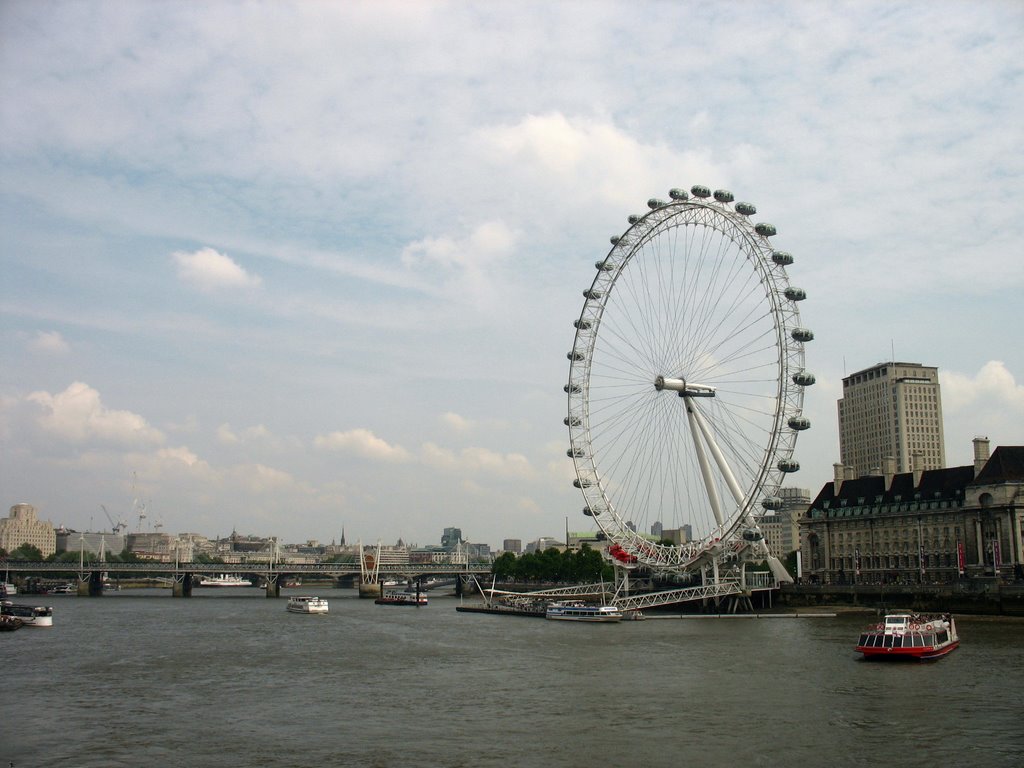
[(891, 410)]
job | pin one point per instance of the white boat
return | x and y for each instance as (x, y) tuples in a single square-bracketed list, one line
[(30, 615), (224, 580), (64, 589), (401, 598), (579, 611), (908, 635), (307, 604), (7, 589)]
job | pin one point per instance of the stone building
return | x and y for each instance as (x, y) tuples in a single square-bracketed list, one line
[(23, 527), (924, 526), (891, 410)]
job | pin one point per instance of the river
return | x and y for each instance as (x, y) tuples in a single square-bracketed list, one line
[(228, 677)]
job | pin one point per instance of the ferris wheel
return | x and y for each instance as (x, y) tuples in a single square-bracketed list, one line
[(686, 382)]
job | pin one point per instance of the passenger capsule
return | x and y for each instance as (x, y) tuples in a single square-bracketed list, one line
[(654, 203), (796, 294), (752, 534), (590, 293), (614, 239), (582, 483), (582, 325), (698, 191), (575, 356), (604, 266), (575, 453), (789, 465), (772, 502), (799, 423), (782, 258), (572, 421), (764, 229), (572, 389), (678, 194), (803, 378), (747, 209), (802, 334), (723, 196), (633, 218), (588, 512)]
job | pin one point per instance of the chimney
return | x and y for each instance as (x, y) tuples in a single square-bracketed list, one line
[(917, 466), (888, 471), (838, 475), (850, 473), (981, 454)]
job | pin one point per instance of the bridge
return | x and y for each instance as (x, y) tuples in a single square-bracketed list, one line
[(272, 575)]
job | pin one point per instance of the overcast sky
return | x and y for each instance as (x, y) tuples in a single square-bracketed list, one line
[(294, 268)]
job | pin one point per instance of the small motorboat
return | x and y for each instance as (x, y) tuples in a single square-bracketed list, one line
[(307, 604)]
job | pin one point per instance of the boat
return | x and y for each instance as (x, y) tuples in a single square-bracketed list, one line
[(10, 623), (224, 580), (579, 611), (401, 598), (31, 616), (907, 635), (63, 589), (307, 604), (7, 589)]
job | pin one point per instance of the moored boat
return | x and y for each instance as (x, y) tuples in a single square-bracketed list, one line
[(907, 635), (63, 589), (307, 604), (30, 615), (580, 611), (401, 598), (10, 623), (224, 580)]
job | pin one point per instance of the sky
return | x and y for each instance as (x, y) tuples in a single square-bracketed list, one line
[(299, 269)]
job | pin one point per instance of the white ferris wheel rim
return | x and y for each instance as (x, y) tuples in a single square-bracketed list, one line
[(692, 300)]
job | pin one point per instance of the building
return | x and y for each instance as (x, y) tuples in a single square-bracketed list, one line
[(925, 526), (512, 545), (451, 538), (90, 543), (23, 527), (781, 527), (891, 410)]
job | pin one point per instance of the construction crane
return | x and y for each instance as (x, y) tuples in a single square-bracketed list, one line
[(115, 527)]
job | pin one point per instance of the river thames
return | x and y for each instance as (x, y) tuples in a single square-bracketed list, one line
[(230, 678)]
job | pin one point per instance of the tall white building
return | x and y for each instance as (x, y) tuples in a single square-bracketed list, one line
[(23, 527), (891, 410)]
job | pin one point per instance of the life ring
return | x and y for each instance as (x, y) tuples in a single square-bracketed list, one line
[(928, 627)]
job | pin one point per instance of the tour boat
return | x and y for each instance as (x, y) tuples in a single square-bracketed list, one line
[(906, 635), (579, 611), (307, 604), (401, 598), (224, 580), (64, 589), (31, 616)]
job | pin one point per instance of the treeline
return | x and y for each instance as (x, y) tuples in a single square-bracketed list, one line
[(582, 566), (32, 554)]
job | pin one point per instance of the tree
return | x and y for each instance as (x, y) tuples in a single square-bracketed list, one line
[(27, 552)]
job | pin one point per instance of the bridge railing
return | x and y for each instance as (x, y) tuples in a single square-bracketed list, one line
[(153, 567)]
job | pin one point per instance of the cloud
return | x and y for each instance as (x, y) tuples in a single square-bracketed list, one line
[(48, 342), (362, 442), (208, 270), (477, 461), (78, 415), (228, 436), (993, 387), (456, 423)]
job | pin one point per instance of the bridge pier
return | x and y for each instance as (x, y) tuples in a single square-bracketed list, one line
[(90, 584), (274, 586), (182, 586)]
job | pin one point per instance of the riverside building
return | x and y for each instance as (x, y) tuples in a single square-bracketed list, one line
[(926, 526), (23, 527), (891, 410)]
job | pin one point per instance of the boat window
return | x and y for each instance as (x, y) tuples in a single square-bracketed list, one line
[(887, 641), (943, 637), (899, 642), (863, 640), (929, 640), (918, 641)]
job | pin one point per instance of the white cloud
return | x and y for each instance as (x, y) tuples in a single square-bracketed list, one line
[(991, 388), (208, 270), (477, 461), (362, 442), (228, 436), (456, 423), (48, 342), (78, 415)]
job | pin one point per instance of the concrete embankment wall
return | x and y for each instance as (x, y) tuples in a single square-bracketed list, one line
[(977, 596)]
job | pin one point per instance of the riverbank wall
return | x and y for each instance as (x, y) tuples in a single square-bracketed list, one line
[(975, 596)]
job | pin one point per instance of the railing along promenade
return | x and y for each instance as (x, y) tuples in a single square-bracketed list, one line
[(91, 574)]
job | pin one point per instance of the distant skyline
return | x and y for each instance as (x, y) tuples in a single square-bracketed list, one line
[(288, 268)]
